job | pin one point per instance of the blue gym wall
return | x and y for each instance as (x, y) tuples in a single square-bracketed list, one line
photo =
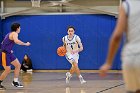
[(0, 36), (0, 30), (45, 33)]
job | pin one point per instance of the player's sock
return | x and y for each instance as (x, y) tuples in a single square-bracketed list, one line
[(15, 79)]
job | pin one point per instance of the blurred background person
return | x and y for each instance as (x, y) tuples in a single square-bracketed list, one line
[(26, 65)]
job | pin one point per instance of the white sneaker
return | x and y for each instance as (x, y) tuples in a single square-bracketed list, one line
[(82, 80), (29, 70), (68, 76)]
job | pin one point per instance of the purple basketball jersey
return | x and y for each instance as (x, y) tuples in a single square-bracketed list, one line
[(7, 44)]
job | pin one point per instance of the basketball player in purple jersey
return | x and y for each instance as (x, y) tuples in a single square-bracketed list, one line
[(7, 56)]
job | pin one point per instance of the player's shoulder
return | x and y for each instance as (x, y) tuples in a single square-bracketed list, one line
[(14, 33), (76, 36), (65, 36)]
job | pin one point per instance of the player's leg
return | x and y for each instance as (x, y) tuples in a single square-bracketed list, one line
[(129, 74), (137, 71), (73, 59), (6, 65), (17, 66), (6, 71), (72, 70), (77, 70), (69, 74), (4, 74), (70, 58)]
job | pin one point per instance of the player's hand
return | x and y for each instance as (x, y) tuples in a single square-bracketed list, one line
[(104, 69), (28, 44), (12, 51)]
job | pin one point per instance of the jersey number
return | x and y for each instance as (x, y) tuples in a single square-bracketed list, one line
[(71, 47)]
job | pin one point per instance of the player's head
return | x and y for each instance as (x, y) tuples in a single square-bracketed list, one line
[(25, 56), (15, 27), (71, 30)]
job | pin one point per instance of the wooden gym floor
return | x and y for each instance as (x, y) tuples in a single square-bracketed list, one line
[(54, 82)]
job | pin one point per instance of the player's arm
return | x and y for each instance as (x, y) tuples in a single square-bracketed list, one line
[(115, 40), (117, 36), (17, 41), (63, 40), (80, 44)]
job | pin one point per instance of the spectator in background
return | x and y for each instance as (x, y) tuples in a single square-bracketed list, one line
[(26, 65)]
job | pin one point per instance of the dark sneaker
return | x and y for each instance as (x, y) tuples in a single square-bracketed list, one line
[(2, 87), (17, 84)]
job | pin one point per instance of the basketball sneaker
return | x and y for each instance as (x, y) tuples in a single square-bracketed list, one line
[(17, 84), (82, 80), (68, 77), (2, 87)]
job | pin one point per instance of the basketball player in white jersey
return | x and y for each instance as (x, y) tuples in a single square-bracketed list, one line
[(129, 23), (73, 46)]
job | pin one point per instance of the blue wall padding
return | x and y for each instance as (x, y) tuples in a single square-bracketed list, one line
[(1, 30), (45, 33)]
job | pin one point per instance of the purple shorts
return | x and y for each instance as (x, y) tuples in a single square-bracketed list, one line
[(6, 58)]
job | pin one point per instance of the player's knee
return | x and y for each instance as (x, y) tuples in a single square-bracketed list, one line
[(74, 64), (18, 65), (8, 70)]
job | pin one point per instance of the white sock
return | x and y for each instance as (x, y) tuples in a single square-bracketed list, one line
[(80, 77), (15, 79)]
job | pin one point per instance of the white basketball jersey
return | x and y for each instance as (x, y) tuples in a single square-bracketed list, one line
[(71, 44), (132, 9)]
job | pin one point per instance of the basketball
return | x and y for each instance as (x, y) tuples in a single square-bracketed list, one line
[(61, 51)]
